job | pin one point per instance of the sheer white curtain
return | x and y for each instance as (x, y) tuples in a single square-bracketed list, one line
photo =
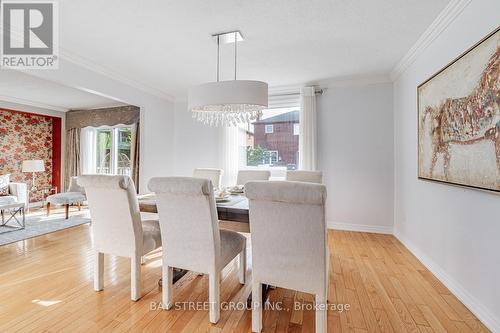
[(230, 155), (308, 130), (87, 150)]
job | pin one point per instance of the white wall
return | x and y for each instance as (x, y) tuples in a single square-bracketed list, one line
[(454, 231), (157, 114), (196, 145), (355, 148)]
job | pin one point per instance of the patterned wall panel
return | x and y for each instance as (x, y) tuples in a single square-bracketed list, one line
[(27, 136)]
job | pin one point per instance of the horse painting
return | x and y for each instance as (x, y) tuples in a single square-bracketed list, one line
[(459, 136)]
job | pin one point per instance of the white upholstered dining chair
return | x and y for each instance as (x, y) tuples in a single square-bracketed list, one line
[(289, 242), (117, 227), (245, 176), (215, 175), (191, 235), (305, 176)]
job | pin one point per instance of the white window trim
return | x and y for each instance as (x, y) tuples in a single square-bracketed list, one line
[(113, 158), (273, 152), (296, 128), (266, 127), (232, 159)]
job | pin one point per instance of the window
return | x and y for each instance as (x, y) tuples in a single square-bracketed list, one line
[(103, 151), (111, 151), (276, 153), (271, 157)]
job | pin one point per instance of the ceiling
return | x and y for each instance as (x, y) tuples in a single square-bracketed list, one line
[(22, 88), (166, 44)]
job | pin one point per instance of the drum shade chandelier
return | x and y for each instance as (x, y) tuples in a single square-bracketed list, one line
[(228, 103)]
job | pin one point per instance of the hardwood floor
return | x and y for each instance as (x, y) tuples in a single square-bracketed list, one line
[(46, 286)]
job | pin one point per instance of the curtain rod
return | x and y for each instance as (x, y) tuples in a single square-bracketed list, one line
[(317, 92)]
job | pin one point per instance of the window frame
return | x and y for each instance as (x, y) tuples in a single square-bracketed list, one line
[(266, 127), (113, 154), (278, 172), (270, 160)]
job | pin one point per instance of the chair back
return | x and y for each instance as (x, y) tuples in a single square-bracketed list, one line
[(215, 175), (245, 176), (289, 237), (74, 186), (305, 176), (188, 222), (115, 215)]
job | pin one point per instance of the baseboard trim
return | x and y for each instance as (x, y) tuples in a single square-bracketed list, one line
[(36, 204), (379, 229), (483, 314)]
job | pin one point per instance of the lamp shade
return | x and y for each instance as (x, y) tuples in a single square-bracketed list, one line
[(228, 101), (33, 166), (234, 92)]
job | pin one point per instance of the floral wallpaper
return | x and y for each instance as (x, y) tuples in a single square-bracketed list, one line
[(26, 136)]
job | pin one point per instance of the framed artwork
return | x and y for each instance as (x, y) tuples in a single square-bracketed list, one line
[(459, 119)]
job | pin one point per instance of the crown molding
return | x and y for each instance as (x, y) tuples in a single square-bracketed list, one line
[(99, 69), (349, 81), (23, 101), (286, 89), (343, 81), (444, 19)]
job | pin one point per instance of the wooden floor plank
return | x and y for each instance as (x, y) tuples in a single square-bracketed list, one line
[(46, 286)]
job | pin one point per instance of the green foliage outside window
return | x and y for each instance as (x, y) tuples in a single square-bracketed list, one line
[(257, 156)]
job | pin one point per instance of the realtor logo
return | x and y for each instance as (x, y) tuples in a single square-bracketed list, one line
[(29, 35)]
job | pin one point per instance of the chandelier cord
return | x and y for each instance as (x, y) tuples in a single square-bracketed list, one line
[(235, 52), (228, 102), (218, 58)]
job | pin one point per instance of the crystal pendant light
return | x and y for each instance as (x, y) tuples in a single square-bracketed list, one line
[(228, 103)]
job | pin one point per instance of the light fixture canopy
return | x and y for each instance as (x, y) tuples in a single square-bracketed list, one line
[(227, 103)]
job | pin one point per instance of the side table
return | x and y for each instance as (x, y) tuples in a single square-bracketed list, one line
[(12, 209)]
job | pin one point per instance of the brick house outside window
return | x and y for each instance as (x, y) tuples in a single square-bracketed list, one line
[(279, 135)]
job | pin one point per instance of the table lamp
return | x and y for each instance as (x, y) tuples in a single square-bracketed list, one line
[(33, 166)]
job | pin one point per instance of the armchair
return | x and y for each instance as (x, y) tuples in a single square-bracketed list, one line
[(18, 192)]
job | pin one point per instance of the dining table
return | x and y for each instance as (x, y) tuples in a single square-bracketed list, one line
[(233, 209)]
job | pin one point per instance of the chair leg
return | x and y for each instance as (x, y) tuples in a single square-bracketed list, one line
[(66, 210), (167, 283), (256, 307), (242, 265), (79, 206), (135, 278), (214, 296), (98, 271), (321, 314), (48, 208)]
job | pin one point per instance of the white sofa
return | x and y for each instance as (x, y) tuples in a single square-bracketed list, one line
[(18, 192)]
